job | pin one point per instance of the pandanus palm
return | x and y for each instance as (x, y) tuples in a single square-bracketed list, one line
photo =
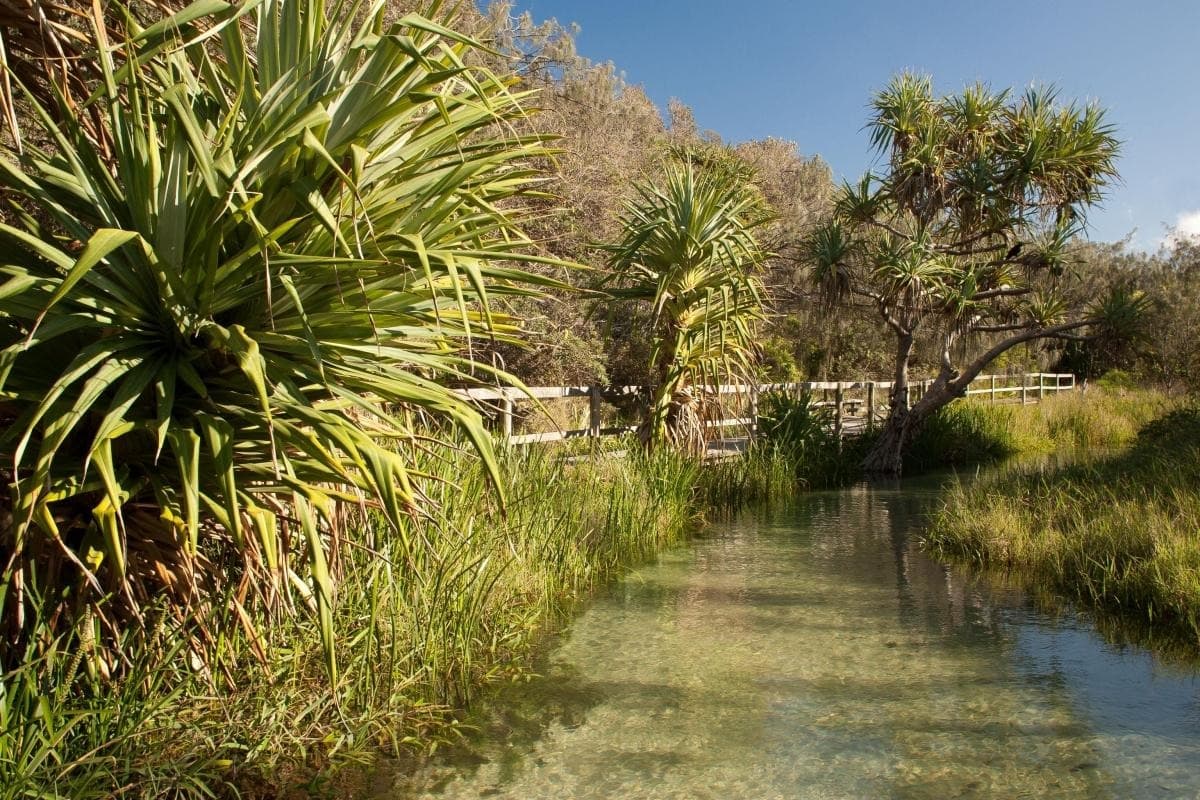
[(690, 256), (963, 238), (230, 330)]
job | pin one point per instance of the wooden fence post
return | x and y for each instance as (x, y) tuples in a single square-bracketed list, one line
[(506, 410), (993, 390), (594, 412), (838, 398), (752, 413), (870, 406), (1041, 387)]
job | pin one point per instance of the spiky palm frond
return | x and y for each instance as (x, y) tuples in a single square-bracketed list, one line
[(1045, 309), (689, 251), (1050, 252), (901, 111), (910, 275), (829, 250), (47, 48), (860, 202), (230, 331), (1122, 314), (960, 306)]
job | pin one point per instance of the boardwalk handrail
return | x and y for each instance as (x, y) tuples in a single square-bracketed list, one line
[(841, 401)]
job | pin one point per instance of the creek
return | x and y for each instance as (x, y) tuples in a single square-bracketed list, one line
[(812, 650)]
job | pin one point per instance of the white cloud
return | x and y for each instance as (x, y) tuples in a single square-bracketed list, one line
[(1187, 226)]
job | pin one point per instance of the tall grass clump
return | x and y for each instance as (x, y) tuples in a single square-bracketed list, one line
[(795, 431), (422, 620), (764, 472), (971, 431), (1106, 414), (963, 433), (1119, 532)]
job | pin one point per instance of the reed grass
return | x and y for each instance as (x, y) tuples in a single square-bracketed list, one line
[(423, 621), (1118, 532), (797, 437)]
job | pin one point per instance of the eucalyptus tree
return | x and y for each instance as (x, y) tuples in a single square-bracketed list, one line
[(224, 329), (964, 235), (689, 261)]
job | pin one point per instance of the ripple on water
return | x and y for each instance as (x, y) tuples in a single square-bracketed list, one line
[(815, 652)]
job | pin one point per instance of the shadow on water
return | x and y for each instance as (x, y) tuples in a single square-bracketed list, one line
[(811, 649)]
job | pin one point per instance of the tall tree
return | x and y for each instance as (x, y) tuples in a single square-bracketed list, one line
[(964, 234), (689, 258)]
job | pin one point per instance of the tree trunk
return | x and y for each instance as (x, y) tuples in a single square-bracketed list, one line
[(903, 424), (885, 455), (682, 428)]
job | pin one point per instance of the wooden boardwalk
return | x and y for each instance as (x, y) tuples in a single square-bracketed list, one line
[(857, 406)]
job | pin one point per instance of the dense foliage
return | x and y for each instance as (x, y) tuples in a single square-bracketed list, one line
[(226, 333)]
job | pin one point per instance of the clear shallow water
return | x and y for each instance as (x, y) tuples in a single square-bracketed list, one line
[(815, 652)]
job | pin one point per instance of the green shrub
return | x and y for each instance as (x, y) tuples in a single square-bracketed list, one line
[(800, 433)]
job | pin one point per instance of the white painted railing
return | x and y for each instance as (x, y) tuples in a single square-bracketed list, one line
[(852, 401)]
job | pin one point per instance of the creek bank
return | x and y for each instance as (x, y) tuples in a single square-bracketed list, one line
[(1116, 532)]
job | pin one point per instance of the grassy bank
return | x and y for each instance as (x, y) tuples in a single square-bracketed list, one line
[(423, 621), (1119, 532), (1105, 416), (797, 443)]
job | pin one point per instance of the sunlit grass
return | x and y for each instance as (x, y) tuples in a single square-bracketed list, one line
[(975, 431), (423, 622), (1119, 532)]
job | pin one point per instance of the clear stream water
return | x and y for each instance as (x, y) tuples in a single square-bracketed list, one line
[(816, 652)]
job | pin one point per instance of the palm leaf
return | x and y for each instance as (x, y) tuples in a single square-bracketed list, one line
[(299, 225)]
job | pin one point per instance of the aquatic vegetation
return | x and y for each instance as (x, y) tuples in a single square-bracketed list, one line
[(1117, 532)]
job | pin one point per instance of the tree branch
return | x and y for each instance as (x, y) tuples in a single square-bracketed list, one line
[(1016, 326), (977, 366), (892, 322), (1011, 291), (861, 292), (885, 226)]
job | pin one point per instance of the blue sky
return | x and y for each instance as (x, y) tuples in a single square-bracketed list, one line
[(804, 71)]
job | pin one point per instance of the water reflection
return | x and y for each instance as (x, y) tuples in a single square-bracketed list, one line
[(815, 651)]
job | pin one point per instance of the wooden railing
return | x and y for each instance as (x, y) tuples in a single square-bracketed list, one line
[(856, 405)]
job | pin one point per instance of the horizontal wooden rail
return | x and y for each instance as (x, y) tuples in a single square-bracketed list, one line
[(873, 396)]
